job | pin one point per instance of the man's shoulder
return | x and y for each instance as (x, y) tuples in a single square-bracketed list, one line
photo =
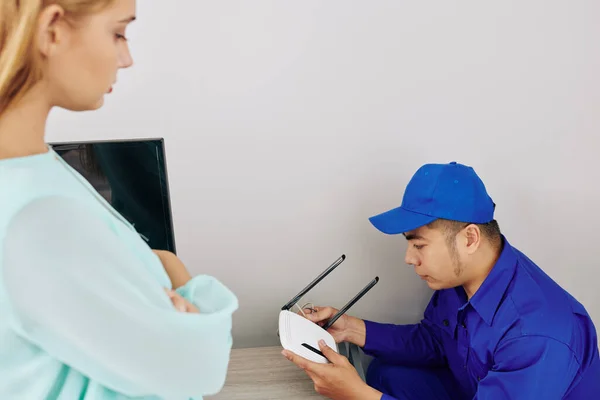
[(533, 291), (535, 304)]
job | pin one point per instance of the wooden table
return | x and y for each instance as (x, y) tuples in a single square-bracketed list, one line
[(262, 373)]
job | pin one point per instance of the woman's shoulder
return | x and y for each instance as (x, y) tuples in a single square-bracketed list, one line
[(39, 185)]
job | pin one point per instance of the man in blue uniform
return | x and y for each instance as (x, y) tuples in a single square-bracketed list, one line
[(497, 327)]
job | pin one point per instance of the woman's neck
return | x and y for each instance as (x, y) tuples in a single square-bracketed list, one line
[(23, 127)]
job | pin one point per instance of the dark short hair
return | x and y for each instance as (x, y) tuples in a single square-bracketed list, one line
[(490, 230)]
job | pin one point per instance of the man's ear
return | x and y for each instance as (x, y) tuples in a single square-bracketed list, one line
[(51, 29), (472, 237)]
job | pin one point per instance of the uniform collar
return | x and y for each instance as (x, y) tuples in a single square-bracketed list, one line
[(487, 299)]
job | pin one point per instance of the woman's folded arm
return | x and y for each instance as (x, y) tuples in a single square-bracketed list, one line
[(82, 296)]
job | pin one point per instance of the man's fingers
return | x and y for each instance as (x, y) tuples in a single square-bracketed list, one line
[(296, 359), (314, 377), (300, 361), (331, 354), (322, 314)]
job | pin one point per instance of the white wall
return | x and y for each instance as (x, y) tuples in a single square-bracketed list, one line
[(288, 124)]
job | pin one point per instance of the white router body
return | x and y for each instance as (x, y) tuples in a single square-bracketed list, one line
[(301, 336)]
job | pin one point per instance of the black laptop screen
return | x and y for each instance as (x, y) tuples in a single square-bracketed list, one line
[(132, 177)]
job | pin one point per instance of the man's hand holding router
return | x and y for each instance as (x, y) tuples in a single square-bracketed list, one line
[(345, 329), (339, 379)]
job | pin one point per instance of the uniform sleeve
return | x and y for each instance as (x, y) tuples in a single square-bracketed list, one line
[(415, 345), (80, 295), (530, 367)]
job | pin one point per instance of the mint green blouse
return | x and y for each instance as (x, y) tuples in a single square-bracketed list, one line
[(83, 311)]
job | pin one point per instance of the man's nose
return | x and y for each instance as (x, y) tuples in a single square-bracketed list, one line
[(410, 258)]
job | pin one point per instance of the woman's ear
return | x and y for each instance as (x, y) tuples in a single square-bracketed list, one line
[(51, 29)]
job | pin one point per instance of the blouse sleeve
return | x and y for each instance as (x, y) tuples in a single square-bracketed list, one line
[(79, 294)]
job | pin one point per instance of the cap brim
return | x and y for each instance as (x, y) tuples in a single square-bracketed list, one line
[(400, 220)]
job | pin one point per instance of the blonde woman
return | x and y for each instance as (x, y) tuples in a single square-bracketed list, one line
[(87, 310)]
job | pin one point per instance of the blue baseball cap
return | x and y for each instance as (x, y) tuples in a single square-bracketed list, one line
[(449, 191)]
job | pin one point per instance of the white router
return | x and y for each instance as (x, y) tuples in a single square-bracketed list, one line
[(300, 335)]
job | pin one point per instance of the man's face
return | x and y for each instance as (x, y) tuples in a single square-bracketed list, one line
[(434, 259)]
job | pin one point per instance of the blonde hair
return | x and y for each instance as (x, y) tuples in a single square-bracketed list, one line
[(19, 70)]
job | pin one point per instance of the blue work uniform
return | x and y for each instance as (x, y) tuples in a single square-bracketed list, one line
[(521, 336)]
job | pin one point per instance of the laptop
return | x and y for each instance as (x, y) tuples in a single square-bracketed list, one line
[(132, 176)]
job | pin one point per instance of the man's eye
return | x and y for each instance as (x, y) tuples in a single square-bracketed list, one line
[(419, 246)]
